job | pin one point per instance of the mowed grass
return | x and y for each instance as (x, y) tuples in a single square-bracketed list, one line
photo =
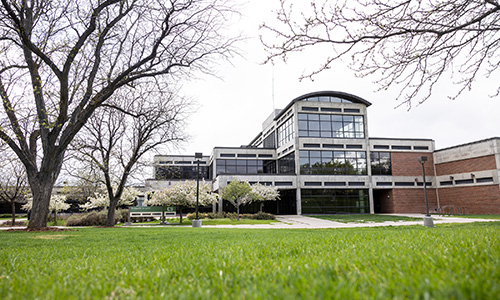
[(365, 218), (459, 261)]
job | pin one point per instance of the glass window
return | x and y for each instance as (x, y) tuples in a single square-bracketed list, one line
[(286, 164), (336, 126), (180, 172), (285, 132), (380, 163), (332, 201), (333, 163)]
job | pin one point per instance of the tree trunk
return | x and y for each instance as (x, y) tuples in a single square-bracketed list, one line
[(110, 221), (162, 215), (237, 213), (42, 190), (261, 206), (180, 214), (13, 209)]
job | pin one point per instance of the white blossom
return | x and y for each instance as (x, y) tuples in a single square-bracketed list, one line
[(101, 198), (57, 203)]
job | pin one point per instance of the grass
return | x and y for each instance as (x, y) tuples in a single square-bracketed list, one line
[(365, 218), (460, 261), (9, 216)]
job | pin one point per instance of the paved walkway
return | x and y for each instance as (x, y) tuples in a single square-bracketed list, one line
[(304, 222)]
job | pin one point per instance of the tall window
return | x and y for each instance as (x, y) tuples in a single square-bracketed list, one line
[(286, 164), (381, 163), (285, 132), (269, 141), (331, 126), (333, 162)]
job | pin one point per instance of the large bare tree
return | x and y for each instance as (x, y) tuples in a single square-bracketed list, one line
[(60, 60), (404, 43), (118, 136)]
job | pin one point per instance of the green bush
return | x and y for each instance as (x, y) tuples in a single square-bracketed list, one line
[(264, 216), (96, 218)]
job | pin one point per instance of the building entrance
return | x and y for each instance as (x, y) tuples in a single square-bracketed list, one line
[(382, 201)]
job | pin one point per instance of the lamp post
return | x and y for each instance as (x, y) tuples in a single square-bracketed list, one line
[(427, 218), (197, 156)]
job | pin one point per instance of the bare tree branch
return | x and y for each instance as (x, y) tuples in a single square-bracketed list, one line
[(407, 43)]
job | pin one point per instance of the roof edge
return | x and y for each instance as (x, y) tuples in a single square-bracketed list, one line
[(347, 96)]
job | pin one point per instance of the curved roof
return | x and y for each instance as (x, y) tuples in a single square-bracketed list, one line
[(347, 96), (342, 95)]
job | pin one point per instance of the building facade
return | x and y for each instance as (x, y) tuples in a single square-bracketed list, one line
[(318, 152)]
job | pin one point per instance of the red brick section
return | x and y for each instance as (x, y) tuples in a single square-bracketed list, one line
[(413, 200), (467, 165), (406, 201), (475, 199), (406, 164)]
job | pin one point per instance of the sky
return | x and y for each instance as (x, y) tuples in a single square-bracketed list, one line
[(232, 105)]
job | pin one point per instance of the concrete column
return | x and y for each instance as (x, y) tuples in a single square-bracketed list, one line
[(299, 201), (370, 199)]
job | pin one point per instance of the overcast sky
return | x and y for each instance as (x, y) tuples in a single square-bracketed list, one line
[(231, 108)]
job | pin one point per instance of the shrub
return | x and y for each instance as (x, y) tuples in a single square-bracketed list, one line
[(264, 216), (96, 218)]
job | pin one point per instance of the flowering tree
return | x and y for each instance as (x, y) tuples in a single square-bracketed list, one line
[(265, 193), (183, 195), (57, 203), (101, 199), (238, 193)]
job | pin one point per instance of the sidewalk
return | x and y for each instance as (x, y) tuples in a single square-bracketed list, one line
[(304, 222)]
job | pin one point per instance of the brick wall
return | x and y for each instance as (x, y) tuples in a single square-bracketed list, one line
[(413, 200), (406, 164), (406, 200), (467, 165), (475, 199)]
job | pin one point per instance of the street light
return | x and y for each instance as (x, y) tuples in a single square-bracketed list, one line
[(197, 156), (427, 218)]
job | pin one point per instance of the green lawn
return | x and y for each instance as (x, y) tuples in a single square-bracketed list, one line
[(365, 218), (460, 261), (9, 217)]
